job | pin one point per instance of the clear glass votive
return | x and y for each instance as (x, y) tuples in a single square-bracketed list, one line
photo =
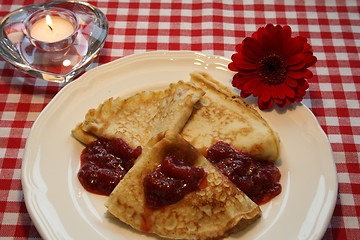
[(30, 43), (52, 29)]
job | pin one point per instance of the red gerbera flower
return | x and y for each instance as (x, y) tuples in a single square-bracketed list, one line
[(272, 66)]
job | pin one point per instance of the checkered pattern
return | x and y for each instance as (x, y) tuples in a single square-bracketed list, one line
[(212, 27)]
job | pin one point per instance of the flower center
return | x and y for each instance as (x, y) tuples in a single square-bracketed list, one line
[(272, 69)]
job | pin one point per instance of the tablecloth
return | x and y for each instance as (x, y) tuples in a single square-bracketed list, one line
[(332, 27)]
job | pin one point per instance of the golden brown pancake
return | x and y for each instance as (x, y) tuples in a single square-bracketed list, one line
[(209, 213), (221, 115), (138, 118)]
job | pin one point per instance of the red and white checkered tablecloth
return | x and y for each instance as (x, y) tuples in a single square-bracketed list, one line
[(213, 27)]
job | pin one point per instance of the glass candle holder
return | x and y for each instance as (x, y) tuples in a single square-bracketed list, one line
[(52, 29), (56, 50)]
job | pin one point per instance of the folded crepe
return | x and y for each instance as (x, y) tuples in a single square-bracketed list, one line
[(211, 212), (220, 115), (138, 118)]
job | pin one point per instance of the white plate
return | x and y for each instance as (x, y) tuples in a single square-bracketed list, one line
[(61, 209)]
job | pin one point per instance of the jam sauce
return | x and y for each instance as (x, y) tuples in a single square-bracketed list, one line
[(104, 163), (258, 179), (171, 181)]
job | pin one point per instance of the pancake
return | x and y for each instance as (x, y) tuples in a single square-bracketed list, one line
[(210, 212), (138, 118), (221, 115)]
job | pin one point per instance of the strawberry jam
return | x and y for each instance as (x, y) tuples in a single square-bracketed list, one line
[(104, 163), (258, 179), (171, 181)]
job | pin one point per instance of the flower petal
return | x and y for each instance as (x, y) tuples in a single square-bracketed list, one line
[(288, 90), (232, 66), (238, 47), (251, 55), (308, 74), (239, 80), (252, 49), (243, 64), (246, 71), (266, 95), (295, 74), (299, 93), (304, 84), (244, 94), (289, 100), (291, 82), (293, 46), (282, 103), (295, 59), (265, 105), (259, 89), (310, 61), (299, 99), (236, 56), (259, 33), (297, 67), (286, 32), (250, 85), (279, 101), (273, 41), (281, 92)]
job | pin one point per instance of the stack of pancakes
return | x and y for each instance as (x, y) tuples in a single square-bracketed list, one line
[(186, 115)]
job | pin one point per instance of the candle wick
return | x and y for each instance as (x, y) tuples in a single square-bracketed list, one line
[(50, 27)]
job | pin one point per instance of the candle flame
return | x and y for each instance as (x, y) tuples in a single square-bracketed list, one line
[(48, 20)]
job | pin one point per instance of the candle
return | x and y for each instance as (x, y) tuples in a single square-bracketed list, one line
[(52, 29)]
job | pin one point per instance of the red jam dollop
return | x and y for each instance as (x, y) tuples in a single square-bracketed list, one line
[(171, 181), (258, 179), (104, 163)]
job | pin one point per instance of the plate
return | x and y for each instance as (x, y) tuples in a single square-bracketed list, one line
[(61, 209)]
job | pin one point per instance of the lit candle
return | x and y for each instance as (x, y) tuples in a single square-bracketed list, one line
[(52, 29)]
